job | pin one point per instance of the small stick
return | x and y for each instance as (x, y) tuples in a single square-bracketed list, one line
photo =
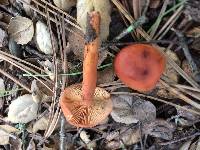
[(90, 57)]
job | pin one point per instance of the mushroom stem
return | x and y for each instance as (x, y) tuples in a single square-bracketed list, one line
[(90, 57)]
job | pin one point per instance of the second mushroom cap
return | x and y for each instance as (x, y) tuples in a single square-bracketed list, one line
[(139, 66)]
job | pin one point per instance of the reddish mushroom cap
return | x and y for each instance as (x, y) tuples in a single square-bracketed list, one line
[(139, 66), (81, 115)]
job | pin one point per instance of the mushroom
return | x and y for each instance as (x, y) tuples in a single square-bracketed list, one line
[(139, 66), (85, 105)]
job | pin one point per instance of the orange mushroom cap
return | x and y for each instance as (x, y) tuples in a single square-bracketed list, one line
[(81, 115), (139, 66)]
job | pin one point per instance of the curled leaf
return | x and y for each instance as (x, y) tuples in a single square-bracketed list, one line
[(129, 109), (22, 110), (21, 29)]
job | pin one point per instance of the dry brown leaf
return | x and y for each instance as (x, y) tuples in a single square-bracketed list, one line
[(102, 6), (3, 38), (64, 4), (43, 39), (160, 129), (154, 3), (40, 124), (129, 109), (22, 110), (105, 76), (21, 29)]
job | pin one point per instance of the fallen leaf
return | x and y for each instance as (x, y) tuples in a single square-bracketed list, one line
[(40, 124), (129, 109), (43, 39), (64, 4), (21, 29), (4, 137), (160, 129), (3, 38), (103, 7), (22, 110)]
